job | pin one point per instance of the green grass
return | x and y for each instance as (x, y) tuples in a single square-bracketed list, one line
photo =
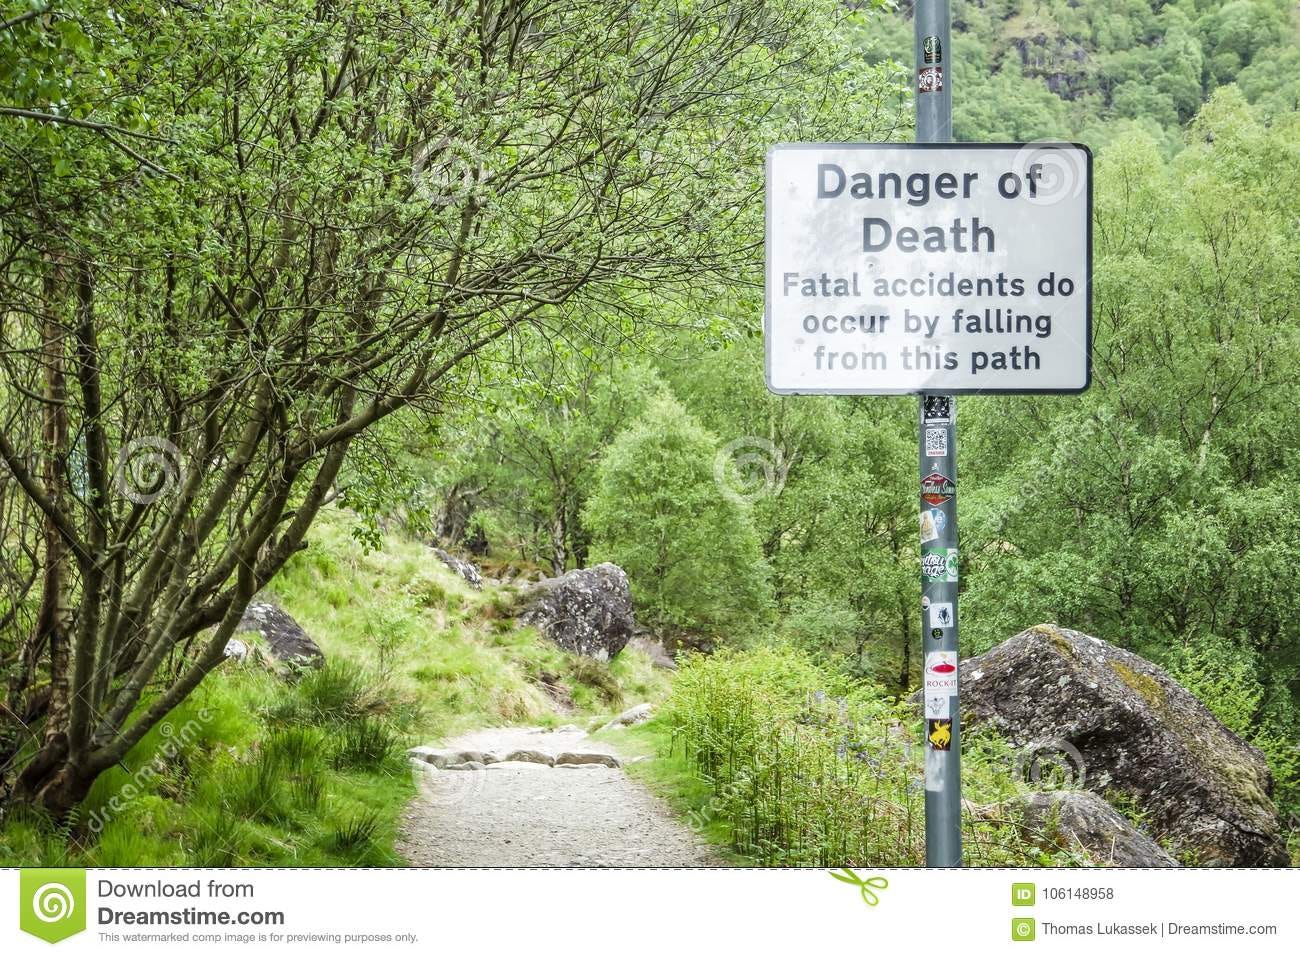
[(445, 648), (227, 781), (254, 769)]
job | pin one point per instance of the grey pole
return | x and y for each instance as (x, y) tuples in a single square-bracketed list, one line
[(938, 435)]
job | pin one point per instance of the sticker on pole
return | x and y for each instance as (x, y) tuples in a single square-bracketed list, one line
[(929, 527), (937, 488), (939, 733), (940, 673), (939, 564), (938, 706), (941, 615), (954, 268)]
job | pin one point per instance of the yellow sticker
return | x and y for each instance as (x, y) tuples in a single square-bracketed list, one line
[(939, 733)]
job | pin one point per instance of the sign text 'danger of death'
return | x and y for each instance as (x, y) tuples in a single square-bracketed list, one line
[(918, 268)]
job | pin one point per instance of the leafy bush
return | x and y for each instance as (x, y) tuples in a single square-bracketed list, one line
[(805, 777)]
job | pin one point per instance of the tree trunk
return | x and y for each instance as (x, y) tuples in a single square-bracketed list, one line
[(54, 784), (905, 665), (45, 780), (559, 537)]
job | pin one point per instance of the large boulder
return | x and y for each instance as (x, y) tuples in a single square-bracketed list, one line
[(646, 642), (1079, 821), (284, 637), (1134, 731), (466, 570), (587, 611)]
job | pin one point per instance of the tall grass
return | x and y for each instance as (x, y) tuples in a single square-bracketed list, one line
[(803, 770), (270, 773), (456, 651)]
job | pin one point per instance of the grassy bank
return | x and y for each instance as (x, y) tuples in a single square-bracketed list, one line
[(259, 769)]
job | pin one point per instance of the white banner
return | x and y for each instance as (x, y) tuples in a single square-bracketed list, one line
[(651, 912)]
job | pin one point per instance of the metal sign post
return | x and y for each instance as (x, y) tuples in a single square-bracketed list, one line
[(939, 566), (934, 269)]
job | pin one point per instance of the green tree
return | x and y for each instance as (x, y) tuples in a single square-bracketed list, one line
[(689, 548), (530, 457), (1150, 510), (236, 238), (1026, 69), (833, 500)]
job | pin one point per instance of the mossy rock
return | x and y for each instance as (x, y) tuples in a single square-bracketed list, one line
[(1080, 823), (1130, 728)]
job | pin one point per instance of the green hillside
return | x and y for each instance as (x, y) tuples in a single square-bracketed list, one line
[(1030, 69)]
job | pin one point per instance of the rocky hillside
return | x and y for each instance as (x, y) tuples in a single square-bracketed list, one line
[(1027, 69)]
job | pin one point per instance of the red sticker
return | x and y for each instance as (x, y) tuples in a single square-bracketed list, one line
[(929, 79), (937, 488)]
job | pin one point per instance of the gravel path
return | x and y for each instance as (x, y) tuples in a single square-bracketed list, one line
[(521, 814)]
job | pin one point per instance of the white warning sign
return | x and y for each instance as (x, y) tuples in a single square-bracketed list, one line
[(928, 267)]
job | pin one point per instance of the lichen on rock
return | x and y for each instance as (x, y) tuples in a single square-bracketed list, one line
[(587, 611), (1203, 790)]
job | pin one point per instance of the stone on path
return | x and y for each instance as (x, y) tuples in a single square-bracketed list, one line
[(530, 814), (587, 757)]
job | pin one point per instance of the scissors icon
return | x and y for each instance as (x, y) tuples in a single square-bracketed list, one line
[(864, 885)]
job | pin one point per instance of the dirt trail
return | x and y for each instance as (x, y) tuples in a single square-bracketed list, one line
[(522, 814)]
